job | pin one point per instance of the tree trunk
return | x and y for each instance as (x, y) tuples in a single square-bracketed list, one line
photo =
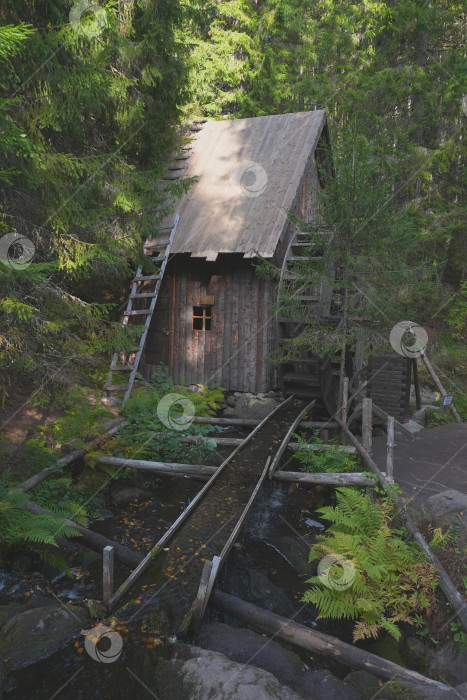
[(324, 644)]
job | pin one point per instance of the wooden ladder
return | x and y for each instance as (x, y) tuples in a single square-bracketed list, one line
[(129, 362)]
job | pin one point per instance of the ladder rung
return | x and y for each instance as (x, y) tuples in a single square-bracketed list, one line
[(144, 295), (308, 298), (147, 277), (122, 368), (138, 312), (116, 387)]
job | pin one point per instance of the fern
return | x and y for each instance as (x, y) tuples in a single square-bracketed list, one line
[(330, 460), (375, 578)]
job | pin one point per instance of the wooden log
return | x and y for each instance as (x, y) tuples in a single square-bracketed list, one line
[(317, 642), (367, 424), (160, 467), (296, 446), (450, 591), (441, 388), (336, 479), (285, 441), (107, 573), (416, 383), (250, 422), (95, 541), (345, 400), (390, 449)]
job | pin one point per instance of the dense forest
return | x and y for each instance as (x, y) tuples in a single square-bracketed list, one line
[(92, 104), (96, 100)]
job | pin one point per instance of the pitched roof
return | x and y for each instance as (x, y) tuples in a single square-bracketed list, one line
[(249, 172)]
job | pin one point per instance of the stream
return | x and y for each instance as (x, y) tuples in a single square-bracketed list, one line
[(260, 569)]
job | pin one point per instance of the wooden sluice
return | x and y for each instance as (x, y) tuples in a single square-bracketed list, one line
[(208, 527)]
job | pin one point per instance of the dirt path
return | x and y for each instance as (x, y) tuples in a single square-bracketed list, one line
[(435, 460)]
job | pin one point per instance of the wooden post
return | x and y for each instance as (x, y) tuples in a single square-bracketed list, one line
[(367, 424), (345, 400), (108, 573), (390, 449), (441, 388), (416, 383)]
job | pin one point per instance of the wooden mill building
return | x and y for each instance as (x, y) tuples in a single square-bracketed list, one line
[(212, 321)]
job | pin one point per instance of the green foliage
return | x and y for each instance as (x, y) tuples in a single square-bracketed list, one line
[(457, 318), (459, 635), (149, 437), (387, 580), (19, 526), (330, 460), (83, 420), (61, 496)]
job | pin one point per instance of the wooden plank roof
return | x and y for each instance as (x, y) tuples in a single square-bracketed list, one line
[(249, 172)]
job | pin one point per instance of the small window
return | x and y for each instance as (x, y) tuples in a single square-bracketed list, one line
[(202, 318)]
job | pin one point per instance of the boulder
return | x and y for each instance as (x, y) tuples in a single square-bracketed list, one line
[(254, 586), (448, 663), (420, 416), (250, 406), (427, 396), (36, 634), (371, 687), (124, 490), (245, 646), (210, 675), (447, 506), (445, 663)]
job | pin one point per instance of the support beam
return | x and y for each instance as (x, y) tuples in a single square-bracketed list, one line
[(317, 642), (107, 573), (170, 468), (285, 441), (367, 424), (251, 422), (390, 449), (441, 388), (336, 479)]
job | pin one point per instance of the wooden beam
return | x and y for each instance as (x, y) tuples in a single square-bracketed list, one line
[(204, 593), (171, 468), (336, 479), (251, 422), (390, 449), (416, 383), (317, 642), (107, 573), (285, 441), (441, 388), (450, 591), (345, 400), (367, 424)]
